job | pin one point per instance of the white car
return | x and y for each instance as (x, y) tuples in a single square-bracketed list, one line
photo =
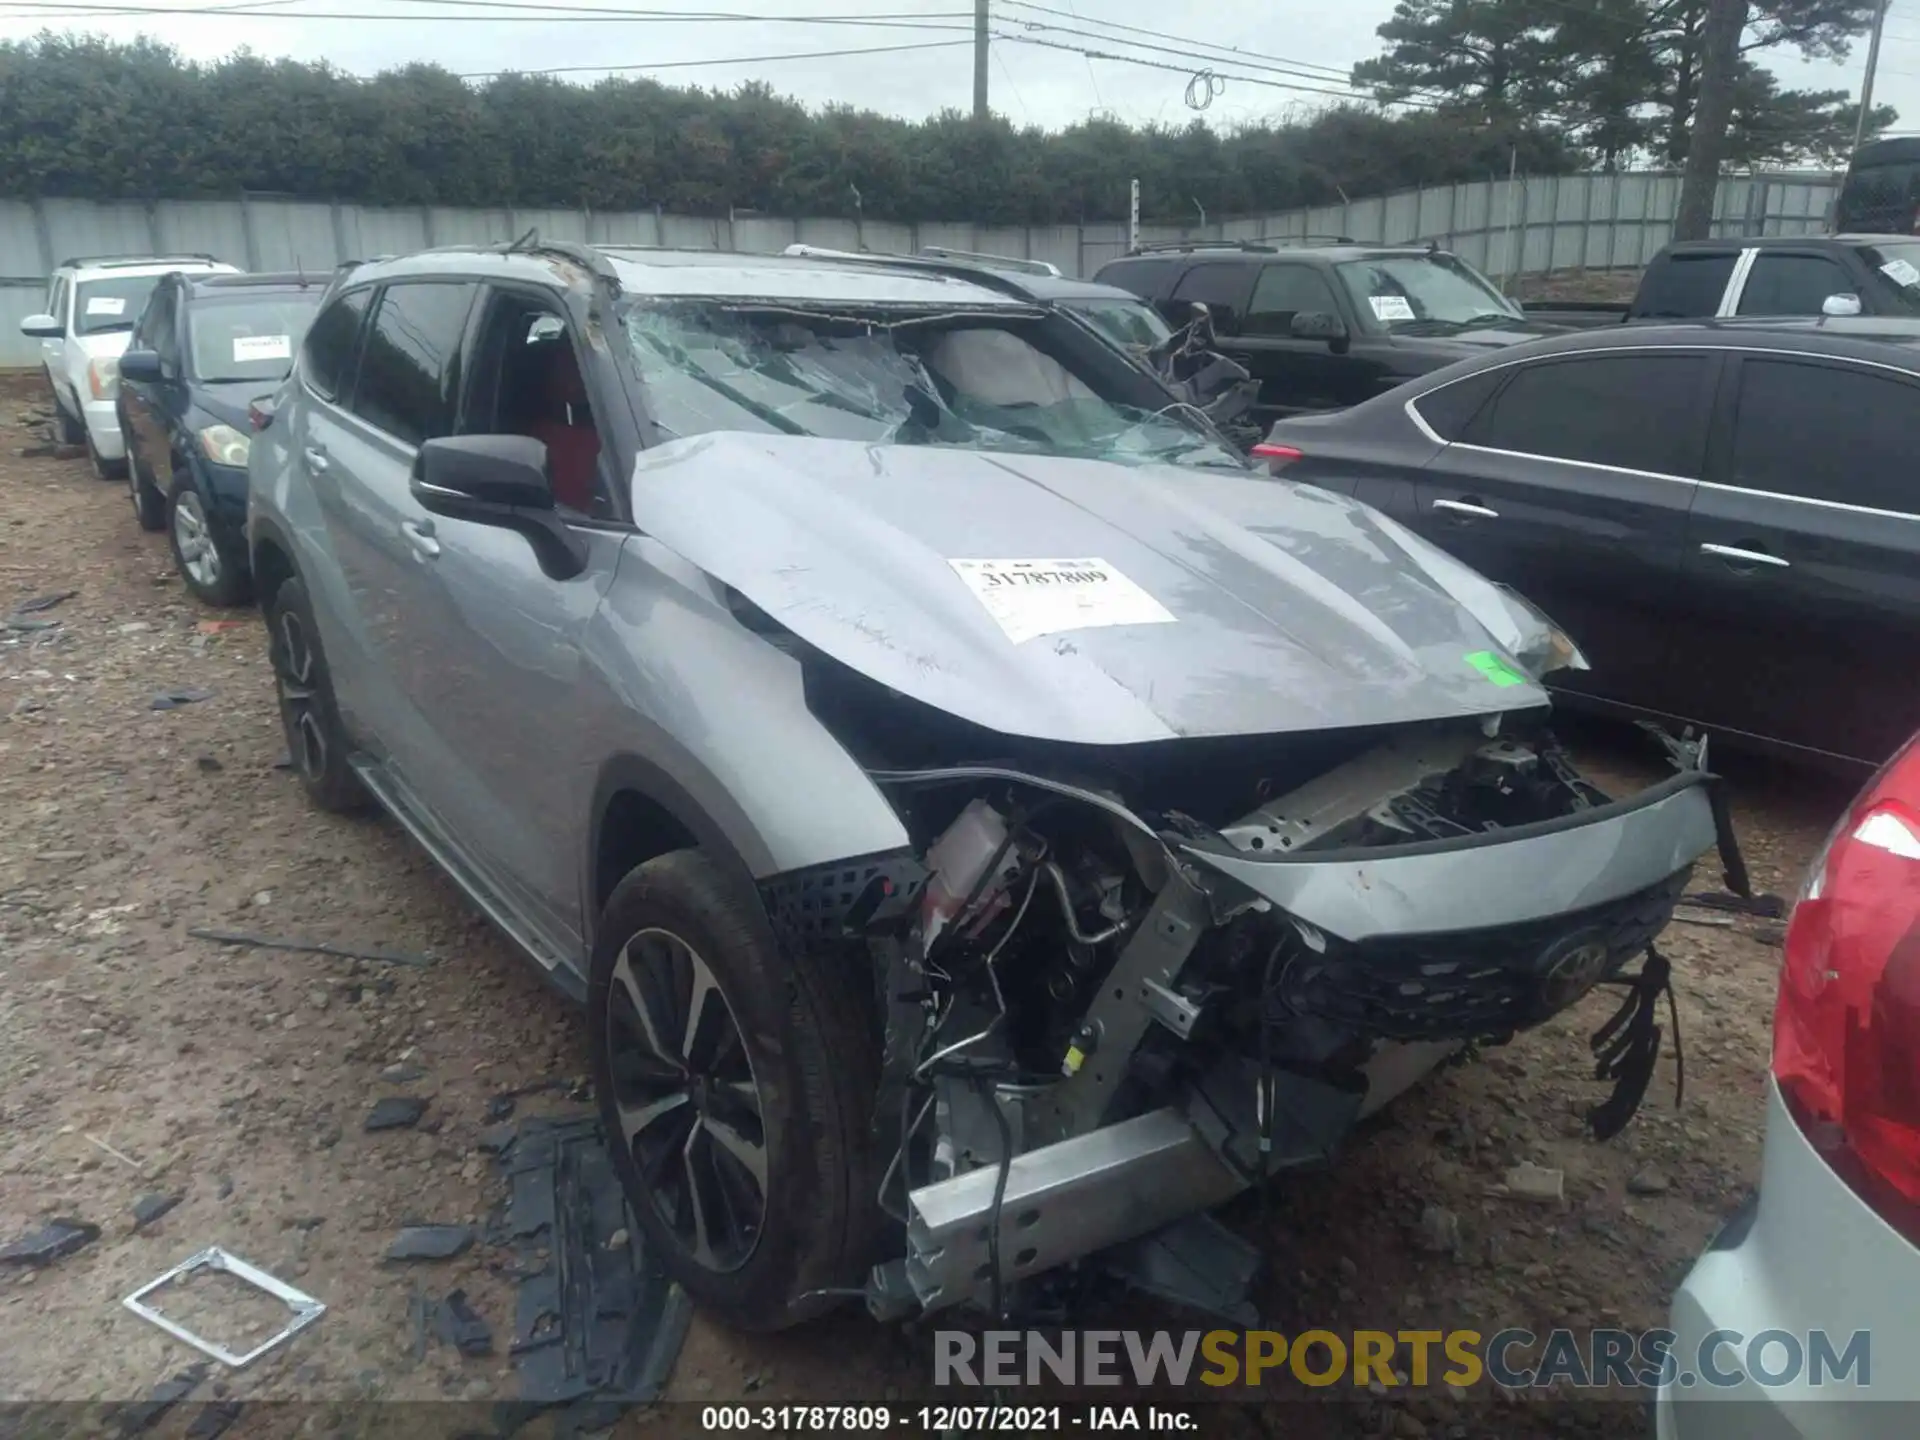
[(1800, 1315), (92, 304)]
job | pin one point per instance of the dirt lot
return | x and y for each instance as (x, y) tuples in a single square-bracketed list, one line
[(136, 1060), (1617, 286)]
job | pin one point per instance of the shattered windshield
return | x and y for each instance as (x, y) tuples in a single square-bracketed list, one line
[(1131, 324), (1425, 294), (967, 380)]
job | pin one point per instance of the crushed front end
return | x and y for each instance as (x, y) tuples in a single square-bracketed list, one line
[(1105, 1011)]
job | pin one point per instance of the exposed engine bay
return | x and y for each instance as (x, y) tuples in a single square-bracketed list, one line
[(1120, 986)]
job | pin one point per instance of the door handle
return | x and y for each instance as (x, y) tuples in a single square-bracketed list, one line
[(1736, 557), (316, 459), (419, 535), (1467, 508)]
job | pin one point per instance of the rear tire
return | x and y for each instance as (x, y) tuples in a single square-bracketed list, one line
[(316, 739), (149, 505), (804, 1048), (66, 429)]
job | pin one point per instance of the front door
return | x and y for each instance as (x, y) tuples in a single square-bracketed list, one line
[(1299, 376), (498, 668), (1801, 611), (1572, 485)]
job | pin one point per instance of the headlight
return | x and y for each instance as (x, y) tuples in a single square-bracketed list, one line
[(1543, 647), (103, 377), (224, 445)]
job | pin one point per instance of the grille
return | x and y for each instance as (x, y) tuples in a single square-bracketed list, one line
[(1474, 984)]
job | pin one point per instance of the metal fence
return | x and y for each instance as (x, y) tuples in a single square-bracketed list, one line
[(1523, 226)]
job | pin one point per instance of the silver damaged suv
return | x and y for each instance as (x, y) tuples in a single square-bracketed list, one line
[(985, 821)]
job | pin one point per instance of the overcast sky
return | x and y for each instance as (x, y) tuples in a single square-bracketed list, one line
[(1302, 43)]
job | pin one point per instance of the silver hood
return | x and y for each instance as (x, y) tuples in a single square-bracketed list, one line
[(1210, 602)]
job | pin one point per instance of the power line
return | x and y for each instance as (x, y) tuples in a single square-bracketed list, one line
[(1195, 62), (544, 14), (1233, 52), (732, 60), (1190, 70)]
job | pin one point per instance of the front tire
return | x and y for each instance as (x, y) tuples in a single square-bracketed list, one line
[(211, 565), (316, 739), (66, 429), (736, 1086)]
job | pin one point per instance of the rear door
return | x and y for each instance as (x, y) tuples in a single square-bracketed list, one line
[(1571, 484), (1687, 284), (1801, 620)]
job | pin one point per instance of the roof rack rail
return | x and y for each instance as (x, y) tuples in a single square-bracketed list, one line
[(974, 272), (994, 262), (1157, 246), (108, 260)]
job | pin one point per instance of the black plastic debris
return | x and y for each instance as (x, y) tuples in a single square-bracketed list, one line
[(149, 1208), (209, 764), (500, 1107), (250, 941), (214, 1420), (497, 1139), (597, 1324), (137, 1418), (174, 699), (430, 1242), (396, 1112), (27, 626), (285, 762), (1766, 907), (56, 1240), (458, 1325), (43, 602)]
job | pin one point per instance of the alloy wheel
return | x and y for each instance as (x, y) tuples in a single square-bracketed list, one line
[(199, 556), (689, 1107), (294, 672)]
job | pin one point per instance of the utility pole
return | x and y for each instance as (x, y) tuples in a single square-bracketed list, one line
[(1873, 64), (980, 60), (1726, 22)]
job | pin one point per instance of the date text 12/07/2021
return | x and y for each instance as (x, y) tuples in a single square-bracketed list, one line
[(945, 1419)]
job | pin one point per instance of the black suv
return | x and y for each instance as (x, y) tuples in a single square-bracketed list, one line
[(1322, 327), (205, 348)]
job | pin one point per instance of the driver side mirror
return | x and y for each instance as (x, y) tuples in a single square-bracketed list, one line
[(1845, 304), (1317, 325), (42, 327), (498, 480), (142, 365)]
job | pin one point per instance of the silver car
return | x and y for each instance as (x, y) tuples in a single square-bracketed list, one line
[(985, 821), (1797, 1321)]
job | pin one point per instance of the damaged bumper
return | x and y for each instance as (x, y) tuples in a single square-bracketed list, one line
[(1101, 1021)]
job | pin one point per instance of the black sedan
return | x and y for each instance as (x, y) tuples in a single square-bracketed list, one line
[(204, 349), (1724, 515)]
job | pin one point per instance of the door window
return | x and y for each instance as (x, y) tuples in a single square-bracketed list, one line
[(1283, 291), (333, 342), (1828, 432), (527, 380), (57, 301), (1448, 410), (1685, 286), (1632, 412), (1792, 284), (1222, 288), (155, 330), (410, 365)]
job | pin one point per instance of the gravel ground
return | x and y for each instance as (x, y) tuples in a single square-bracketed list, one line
[(136, 1060)]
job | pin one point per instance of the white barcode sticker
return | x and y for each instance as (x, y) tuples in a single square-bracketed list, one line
[(1028, 598), (262, 347), (1390, 307)]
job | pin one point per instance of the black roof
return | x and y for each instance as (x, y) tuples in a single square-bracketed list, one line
[(281, 280), (1885, 152), (1860, 337), (1772, 242)]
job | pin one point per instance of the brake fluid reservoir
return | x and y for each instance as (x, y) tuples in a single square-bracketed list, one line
[(958, 859)]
